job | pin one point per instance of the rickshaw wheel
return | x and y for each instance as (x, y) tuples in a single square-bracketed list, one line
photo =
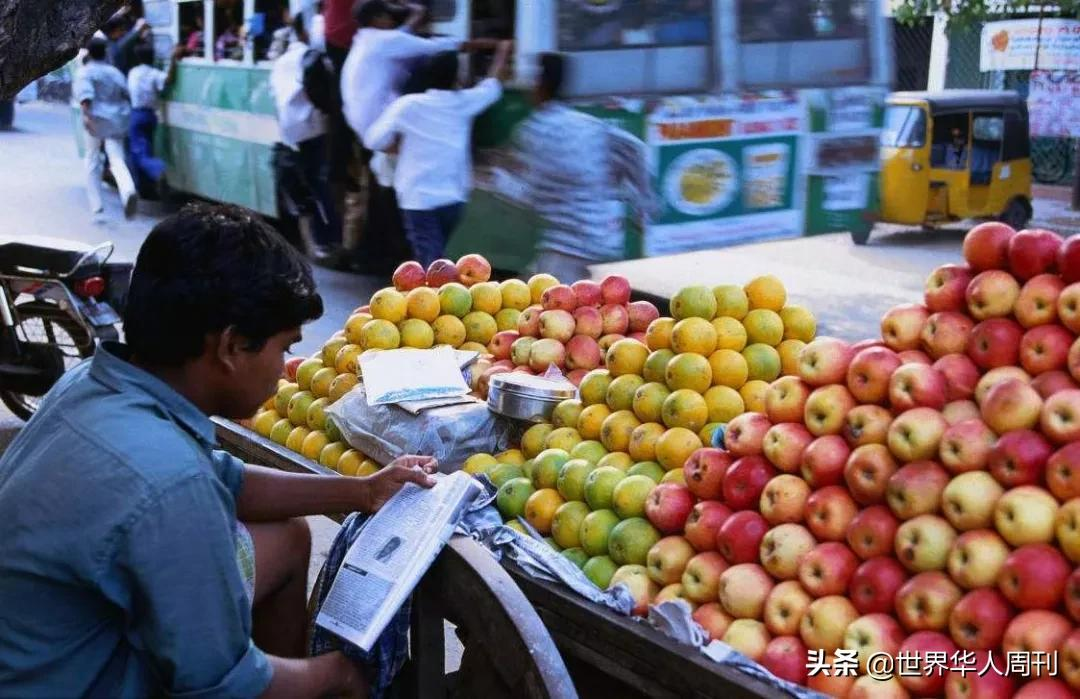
[(1016, 214), (862, 236)]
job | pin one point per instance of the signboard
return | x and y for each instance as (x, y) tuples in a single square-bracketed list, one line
[(1018, 43), (1054, 104)]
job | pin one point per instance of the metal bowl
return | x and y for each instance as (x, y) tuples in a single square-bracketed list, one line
[(526, 397)]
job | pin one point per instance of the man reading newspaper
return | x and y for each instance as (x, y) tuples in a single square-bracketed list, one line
[(136, 559)]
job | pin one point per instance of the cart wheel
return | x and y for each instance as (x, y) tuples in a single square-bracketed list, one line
[(1016, 214), (861, 236)]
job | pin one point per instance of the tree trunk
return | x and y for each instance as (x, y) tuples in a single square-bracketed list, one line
[(38, 36)]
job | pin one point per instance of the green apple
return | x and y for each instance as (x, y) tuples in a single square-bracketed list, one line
[(546, 467), (599, 570), (512, 496), (647, 468), (628, 498), (590, 450), (600, 486), (576, 555), (566, 524), (631, 540), (595, 530), (571, 483)]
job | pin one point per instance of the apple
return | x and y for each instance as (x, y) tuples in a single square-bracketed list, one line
[(917, 385), (783, 548), (615, 319), (867, 687), (1033, 252), (784, 446), (744, 481), (1036, 631), (960, 410), (872, 531), (1038, 301), (976, 558), (546, 353), (901, 326), (582, 352), (826, 409), (916, 489), (986, 246), (743, 589), (668, 507), (1068, 261), (871, 634), (748, 637), (874, 585), (1052, 382), (784, 499), (503, 342), (916, 434), (825, 621), (1070, 659), (992, 294), (1012, 405), (966, 682), (995, 376), (704, 472), (1073, 360), (869, 372), (827, 569), (1068, 306), (519, 351), (924, 602), (529, 321), (1034, 576), (914, 357), (966, 446), (292, 364), (703, 524), (745, 434), (946, 333), (702, 575), (785, 400), (1067, 528), (1060, 416), (867, 473), (785, 607), (557, 325), (826, 680), (1019, 458), (667, 559), (930, 681), (739, 537), (960, 374), (1045, 348), (641, 314), (587, 293), (923, 543), (615, 290), (1063, 472), (945, 288), (558, 298), (409, 275), (588, 322), (867, 424), (786, 658), (1045, 688), (969, 499), (823, 461), (1072, 595), (641, 586), (824, 361), (829, 512), (995, 342), (442, 272), (672, 592), (713, 619), (1025, 515)]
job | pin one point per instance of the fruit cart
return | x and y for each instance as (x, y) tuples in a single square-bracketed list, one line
[(517, 626)]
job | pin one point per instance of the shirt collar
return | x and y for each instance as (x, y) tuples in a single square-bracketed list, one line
[(110, 366)]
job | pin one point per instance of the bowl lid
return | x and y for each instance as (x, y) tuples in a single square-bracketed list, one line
[(533, 386)]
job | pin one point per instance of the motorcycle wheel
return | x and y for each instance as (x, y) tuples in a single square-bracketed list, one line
[(46, 323)]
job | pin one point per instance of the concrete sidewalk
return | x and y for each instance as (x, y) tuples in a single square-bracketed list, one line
[(1051, 204)]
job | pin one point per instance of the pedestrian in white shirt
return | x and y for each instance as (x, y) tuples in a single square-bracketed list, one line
[(145, 85), (433, 130), (102, 94), (304, 169)]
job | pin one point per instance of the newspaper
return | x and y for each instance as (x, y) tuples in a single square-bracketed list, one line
[(393, 551)]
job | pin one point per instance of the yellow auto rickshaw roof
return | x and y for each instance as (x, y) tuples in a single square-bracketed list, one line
[(961, 100)]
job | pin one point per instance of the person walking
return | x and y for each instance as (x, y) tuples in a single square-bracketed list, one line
[(432, 131), (102, 94), (145, 85)]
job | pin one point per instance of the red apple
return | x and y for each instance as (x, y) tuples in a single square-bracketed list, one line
[(829, 513), (966, 446), (986, 246), (1045, 348), (785, 400), (558, 298), (826, 409), (867, 424), (824, 361), (702, 576), (588, 322), (1034, 577), (500, 344), (917, 385), (916, 489), (668, 506), (785, 444), (1063, 472), (1036, 631), (1070, 659), (784, 608), (945, 288), (867, 473), (901, 326), (1060, 417), (1072, 595), (914, 357), (1068, 305), (1019, 458), (870, 635), (1068, 261), (557, 325), (923, 543), (872, 531), (1033, 252), (409, 275), (615, 319), (828, 681), (784, 499), (875, 583), (992, 294), (916, 434), (704, 472), (930, 681), (960, 375), (587, 293), (666, 560), (473, 269), (1038, 301), (712, 617), (745, 435), (869, 372), (785, 657), (827, 569), (582, 352), (924, 602), (995, 376), (291, 365), (1050, 382), (1045, 688), (615, 290), (823, 625), (743, 590), (978, 619), (958, 411), (441, 272), (744, 481), (739, 537), (703, 524), (529, 321), (995, 342), (783, 548), (946, 333), (823, 461), (976, 558), (966, 681), (641, 313), (1012, 405)]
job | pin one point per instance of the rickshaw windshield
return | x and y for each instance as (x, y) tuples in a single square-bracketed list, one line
[(905, 127)]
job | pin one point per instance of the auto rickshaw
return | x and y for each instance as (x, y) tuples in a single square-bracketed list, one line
[(954, 155)]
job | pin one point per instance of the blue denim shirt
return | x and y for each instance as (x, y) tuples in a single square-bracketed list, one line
[(118, 572)]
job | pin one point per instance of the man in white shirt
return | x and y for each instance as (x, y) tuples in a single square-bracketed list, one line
[(145, 85), (432, 130)]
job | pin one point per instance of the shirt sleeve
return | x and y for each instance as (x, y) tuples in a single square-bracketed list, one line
[(84, 88), (630, 166), (380, 135), (404, 45), (486, 93), (229, 469), (191, 615), (159, 80)]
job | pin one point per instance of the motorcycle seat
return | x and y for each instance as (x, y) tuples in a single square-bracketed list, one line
[(40, 257)]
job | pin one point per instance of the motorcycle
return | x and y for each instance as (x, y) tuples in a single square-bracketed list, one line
[(58, 300)]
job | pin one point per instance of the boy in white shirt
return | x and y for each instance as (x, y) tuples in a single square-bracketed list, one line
[(433, 174), (145, 84)]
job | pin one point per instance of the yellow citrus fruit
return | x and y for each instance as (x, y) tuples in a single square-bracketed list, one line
[(566, 413), (616, 459), (724, 403), (789, 356), (486, 297), (313, 444), (648, 401), (423, 304), (279, 433), (616, 430), (594, 386), (538, 284), (316, 413), (449, 330), (675, 446), (515, 294), (295, 440), (658, 334), (730, 333), (331, 454), (620, 394), (454, 299), (342, 384), (731, 301), (565, 438), (643, 441), (368, 467), (693, 301), (766, 292), (511, 456), (380, 334), (507, 319), (264, 422), (330, 349), (480, 327), (416, 333), (656, 364), (540, 509), (473, 347), (753, 395), (305, 371), (479, 463), (685, 408), (349, 462), (762, 361), (346, 361), (728, 368), (695, 335), (799, 323), (690, 371), (532, 442), (592, 419), (354, 325), (389, 304), (320, 382), (626, 357), (763, 326), (705, 434), (675, 475)]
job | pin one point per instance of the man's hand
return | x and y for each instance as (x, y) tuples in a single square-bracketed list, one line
[(382, 485)]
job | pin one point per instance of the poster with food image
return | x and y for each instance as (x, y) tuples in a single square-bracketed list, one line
[(701, 182)]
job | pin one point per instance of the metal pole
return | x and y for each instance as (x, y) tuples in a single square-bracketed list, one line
[(1076, 178)]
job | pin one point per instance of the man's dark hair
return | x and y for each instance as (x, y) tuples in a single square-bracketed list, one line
[(297, 24), (144, 55), (367, 11), (552, 72), (441, 71), (207, 268), (96, 49), (114, 24)]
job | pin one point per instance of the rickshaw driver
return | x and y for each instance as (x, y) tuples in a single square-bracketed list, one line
[(956, 151), (125, 570)]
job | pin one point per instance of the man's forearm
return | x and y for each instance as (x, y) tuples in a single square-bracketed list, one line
[(311, 677), (268, 495)]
